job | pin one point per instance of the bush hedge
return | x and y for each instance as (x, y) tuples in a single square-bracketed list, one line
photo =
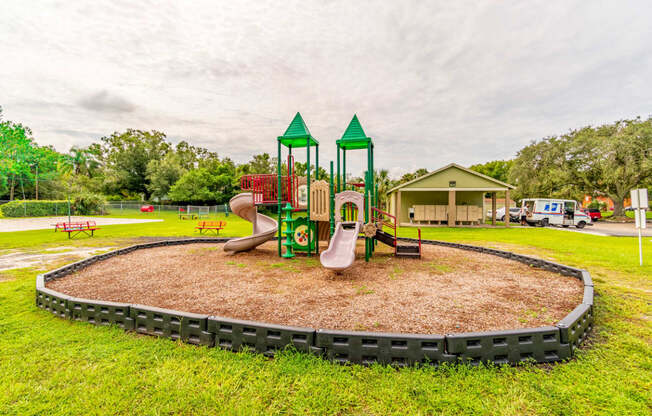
[(34, 208), (82, 204)]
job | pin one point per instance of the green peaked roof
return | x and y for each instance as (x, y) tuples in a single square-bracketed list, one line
[(297, 133), (354, 136), (297, 127), (354, 131)]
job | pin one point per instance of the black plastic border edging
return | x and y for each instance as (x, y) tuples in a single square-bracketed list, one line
[(542, 345)]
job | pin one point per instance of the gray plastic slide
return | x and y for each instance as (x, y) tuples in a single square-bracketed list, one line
[(341, 250), (265, 227)]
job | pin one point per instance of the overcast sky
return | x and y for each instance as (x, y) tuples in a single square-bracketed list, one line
[(432, 82)]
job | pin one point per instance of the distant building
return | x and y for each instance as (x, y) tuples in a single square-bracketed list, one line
[(604, 199)]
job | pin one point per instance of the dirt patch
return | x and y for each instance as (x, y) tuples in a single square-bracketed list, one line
[(22, 259), (447, 291)]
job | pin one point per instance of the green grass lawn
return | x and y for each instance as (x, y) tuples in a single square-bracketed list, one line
[(52, 366), (628, 214)]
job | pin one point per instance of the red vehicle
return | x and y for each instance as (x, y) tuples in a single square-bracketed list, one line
[(147, 208), (594, 213)]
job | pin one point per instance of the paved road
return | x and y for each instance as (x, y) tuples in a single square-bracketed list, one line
[(613, 229), (8, 225)]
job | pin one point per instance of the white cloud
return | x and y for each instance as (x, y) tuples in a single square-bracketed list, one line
[(432, 82), (104, 102)]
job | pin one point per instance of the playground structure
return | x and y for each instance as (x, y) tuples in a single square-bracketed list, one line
[(341, 250), (265, 227), (310, 209)]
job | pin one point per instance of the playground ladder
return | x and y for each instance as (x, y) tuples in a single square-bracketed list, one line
[(289, 232)]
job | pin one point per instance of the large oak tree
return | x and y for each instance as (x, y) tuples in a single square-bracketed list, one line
[(607, 160)]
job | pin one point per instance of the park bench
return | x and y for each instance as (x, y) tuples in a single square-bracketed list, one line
[(210, 225), (75, 228)]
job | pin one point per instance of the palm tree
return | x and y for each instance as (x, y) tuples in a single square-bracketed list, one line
[(83, 161), (384, 184)]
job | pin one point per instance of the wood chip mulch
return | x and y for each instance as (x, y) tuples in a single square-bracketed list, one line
[(447, 291)]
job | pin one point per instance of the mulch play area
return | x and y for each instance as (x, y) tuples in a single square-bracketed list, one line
[(447, 291)]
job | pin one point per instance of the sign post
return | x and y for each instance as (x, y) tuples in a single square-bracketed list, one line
[(639, 204)]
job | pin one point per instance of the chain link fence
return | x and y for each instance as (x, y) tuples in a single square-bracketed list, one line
[(126, 207), (132, 207)]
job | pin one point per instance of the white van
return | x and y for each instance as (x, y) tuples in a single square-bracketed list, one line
[(548, 211)]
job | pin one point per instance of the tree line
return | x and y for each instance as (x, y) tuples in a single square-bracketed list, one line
[(606, 160), (130, 165)]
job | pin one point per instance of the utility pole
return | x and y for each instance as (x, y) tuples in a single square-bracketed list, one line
[(37, 181)]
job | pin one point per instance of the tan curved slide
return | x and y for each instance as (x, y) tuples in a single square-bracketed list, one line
[(341, 250), (265, 227)]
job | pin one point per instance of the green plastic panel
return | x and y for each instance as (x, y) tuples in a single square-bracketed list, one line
[(300, 234)]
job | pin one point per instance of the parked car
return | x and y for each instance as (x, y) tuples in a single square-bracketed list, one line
[(594, 213), (514, 213)]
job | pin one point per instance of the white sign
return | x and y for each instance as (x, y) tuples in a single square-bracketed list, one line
[(639, 217), (640, 205), (639, 198)]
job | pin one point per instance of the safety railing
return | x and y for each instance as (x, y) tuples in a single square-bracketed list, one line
[(264, 188), (386, 220)]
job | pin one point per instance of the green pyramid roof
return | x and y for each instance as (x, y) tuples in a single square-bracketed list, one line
[(354, 136), (297, 127), (297, 133)]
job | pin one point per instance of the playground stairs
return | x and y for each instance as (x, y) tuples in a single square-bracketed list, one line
[(402, 249), (407, 250)]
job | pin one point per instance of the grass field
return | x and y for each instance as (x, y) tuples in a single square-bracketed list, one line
[(52, 366), (628, 214)]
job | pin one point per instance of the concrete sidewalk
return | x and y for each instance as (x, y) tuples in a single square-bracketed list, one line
[(8, 225)]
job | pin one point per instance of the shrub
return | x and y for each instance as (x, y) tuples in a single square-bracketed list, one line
[(34, 208), (87, 203), (595, 204), (81, 204)]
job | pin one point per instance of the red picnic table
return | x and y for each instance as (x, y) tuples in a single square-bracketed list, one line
[(75, 228)]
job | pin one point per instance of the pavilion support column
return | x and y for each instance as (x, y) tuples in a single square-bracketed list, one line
[(507, 215), (493, 208), (452, 208), (398, 207)]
